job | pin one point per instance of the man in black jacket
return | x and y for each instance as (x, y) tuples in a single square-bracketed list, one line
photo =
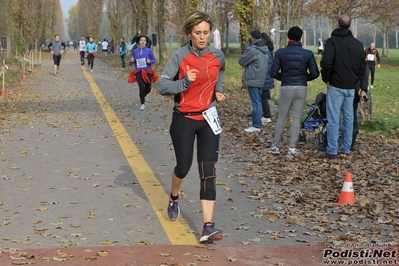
[(343, 64)]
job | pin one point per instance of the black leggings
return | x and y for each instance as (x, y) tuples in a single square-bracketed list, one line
[(183, 131), (82, 56), (370, 67), (90, 59), (265, 96), (144, 88), (123, 60)]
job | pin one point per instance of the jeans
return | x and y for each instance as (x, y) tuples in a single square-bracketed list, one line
[(256, 104), (339, 100)]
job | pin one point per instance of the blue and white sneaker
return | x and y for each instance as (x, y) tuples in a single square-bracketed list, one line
[(173, 208), (210, 234)]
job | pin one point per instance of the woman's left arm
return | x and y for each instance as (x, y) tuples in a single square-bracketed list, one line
[(152, 58), (219, 83)]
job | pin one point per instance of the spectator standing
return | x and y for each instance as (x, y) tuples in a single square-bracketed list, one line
[(104, 46), (143, 57), (343, 65), (183, 77), (372, 56), (122, 51), (91, 49), (269, 82), (254, 60), (361, 89), (58, 49), (154, 39), (294, 66), (216, 39), (82, 48)]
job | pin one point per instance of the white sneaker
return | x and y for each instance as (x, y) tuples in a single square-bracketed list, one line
[(293, 151), (252, 129), (274, 150), (91, 70), (266, 120), (142, 107)]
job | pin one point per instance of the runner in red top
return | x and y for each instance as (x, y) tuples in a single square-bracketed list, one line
[(194, 75)]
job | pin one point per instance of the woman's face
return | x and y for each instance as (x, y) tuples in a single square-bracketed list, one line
[(143, 41), (121, 40), (91, 39), (200, 35)]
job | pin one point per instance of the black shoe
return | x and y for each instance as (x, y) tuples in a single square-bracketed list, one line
[(328, 156)]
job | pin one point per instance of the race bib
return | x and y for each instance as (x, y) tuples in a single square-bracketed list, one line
[(211, 116), (370, 57), (141, 63)]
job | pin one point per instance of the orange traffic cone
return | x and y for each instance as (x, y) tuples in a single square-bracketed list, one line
[(347, 193)]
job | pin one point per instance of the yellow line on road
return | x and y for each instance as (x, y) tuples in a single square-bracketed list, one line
[(178, 231)]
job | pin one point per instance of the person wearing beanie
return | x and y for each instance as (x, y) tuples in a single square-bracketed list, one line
[(256, 34), (254, 60), (295, 33), (294, 66)]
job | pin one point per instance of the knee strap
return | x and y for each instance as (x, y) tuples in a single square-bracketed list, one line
[(207, 171)]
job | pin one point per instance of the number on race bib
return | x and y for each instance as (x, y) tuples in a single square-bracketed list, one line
[(141, 63), (370, 57), (211, 116)]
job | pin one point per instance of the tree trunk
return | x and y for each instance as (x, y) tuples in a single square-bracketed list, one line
[(161, 32), (227, 29), (364, 110)]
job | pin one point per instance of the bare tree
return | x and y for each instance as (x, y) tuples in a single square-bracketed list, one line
[(161, 32)]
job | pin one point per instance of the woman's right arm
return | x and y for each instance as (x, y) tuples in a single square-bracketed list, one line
[(167, 84)]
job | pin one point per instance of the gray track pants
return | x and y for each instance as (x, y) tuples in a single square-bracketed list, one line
[(291, 96)]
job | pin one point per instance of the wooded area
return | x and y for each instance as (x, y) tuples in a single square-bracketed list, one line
[(30, 22), (33, 22)]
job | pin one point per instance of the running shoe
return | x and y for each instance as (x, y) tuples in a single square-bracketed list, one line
[(173, 208), (274, 150), (210, 234), (293, 151)]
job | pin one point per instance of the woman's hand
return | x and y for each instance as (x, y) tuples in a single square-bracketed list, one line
[(132, 59), (220, 97), (191, 74)]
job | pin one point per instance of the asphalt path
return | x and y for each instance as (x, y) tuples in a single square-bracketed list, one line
[(81, 166)]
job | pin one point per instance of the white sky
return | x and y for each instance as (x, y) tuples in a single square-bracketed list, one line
[(65, 5)]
